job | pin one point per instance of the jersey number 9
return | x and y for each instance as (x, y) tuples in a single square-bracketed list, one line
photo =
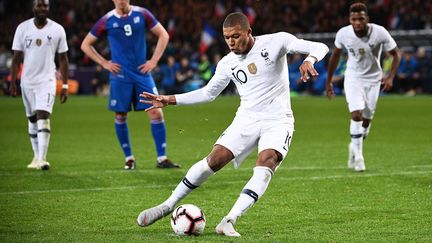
[(128, 30)]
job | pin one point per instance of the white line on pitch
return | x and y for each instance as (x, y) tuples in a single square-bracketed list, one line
[(152, 171), (76, 190), (421, 166), (357, 175), (313, 178)]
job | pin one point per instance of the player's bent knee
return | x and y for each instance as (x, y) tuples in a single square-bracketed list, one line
[(219, 157), (269, 158), (156, 114), (42, 115), (356, 115), (120, 115)]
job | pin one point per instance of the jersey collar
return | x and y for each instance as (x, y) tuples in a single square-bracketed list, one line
[(120, 16)]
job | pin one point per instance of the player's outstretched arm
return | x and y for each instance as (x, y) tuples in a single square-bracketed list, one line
[(316, 51), (205, 94), (157, 101)]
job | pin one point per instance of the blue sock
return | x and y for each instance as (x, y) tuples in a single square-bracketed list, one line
[(159, 136), (122, 131)]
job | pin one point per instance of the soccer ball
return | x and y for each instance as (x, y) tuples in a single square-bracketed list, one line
[(188, 219)]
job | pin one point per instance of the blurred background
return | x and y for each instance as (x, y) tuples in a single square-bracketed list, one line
[(189, 60)]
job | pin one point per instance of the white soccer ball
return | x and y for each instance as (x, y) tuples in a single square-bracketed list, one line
[(188, 219)]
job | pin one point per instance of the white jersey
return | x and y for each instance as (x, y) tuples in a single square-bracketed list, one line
[(39, 47), (261, 76), (364, 53)]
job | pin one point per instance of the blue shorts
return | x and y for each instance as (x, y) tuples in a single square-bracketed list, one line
[(125, 95)]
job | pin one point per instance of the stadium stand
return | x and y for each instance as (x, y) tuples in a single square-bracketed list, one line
[(410, 22)]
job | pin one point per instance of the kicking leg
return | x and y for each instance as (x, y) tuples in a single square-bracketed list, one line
[(196, 175), (267, 162)]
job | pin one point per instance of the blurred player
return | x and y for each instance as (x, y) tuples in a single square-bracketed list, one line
[(38, 40), (364, 42), (258, 66), (126, 27)]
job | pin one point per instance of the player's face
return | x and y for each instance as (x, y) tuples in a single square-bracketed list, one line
[(237, 39), (359, 21), (122, 5), (41, 9)]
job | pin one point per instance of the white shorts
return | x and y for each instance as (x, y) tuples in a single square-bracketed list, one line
[(362, 96), (245, 134), (40, 97)]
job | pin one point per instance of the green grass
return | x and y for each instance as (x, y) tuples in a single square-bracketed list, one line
[(313, 197)]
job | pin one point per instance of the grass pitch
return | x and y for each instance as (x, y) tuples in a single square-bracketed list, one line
[(313, 197)]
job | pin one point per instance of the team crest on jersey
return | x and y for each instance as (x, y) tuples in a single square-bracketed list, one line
[(115, 25), (38, 42), (136, 20), (252, 68)]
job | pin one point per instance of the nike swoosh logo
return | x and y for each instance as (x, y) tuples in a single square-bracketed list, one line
[(232, 69)]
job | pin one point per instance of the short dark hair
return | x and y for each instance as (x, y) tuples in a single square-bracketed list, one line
[(35, 2), (358, 7), (236, 18)]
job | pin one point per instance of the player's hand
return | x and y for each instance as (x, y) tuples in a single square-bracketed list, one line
[(329, 90), (111, 67), (307, 69), (157, 101), (148, 66), (63, 96), (387, 83), (13, 89)]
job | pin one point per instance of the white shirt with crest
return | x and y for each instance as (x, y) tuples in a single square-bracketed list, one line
[(364, 53), (261, 76), (39, 47)]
